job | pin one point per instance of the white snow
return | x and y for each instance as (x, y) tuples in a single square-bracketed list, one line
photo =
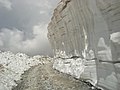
[(115, 37), (70, 66), (76, 67), (13, 65)]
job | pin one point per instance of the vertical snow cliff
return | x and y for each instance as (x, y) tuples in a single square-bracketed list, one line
[(88, 30)]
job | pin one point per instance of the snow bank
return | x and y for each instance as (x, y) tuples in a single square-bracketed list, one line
[(13, 65)]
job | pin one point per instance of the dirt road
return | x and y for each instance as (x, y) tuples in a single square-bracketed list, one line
[(44, 77)]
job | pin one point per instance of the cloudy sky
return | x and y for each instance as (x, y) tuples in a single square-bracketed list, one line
[(23, 25)]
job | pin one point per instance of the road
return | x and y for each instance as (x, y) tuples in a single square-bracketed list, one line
[(44, 77)]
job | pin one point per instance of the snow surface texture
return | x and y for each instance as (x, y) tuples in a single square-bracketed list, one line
[(70, 66), (77, 67), (67, 65), (13, 65)]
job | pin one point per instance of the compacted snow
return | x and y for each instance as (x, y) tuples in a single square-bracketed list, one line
[(70, 66), (13, 65), (76, 66)]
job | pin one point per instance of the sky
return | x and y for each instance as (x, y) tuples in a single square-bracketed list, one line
[(23, 26)]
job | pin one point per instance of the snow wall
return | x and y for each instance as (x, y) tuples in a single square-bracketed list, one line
[(85, 38)]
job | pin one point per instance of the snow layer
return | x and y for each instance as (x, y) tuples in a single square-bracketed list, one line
[(70, 66), (76, 66), (13, 65)]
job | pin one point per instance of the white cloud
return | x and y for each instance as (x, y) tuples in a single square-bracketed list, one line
[(6, 3), (1, 43), (13, 40), (39, 42), (42, 12), (40, 3), (29, 19)]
